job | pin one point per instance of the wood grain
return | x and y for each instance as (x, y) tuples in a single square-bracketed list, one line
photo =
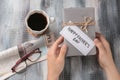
[(13, 31)]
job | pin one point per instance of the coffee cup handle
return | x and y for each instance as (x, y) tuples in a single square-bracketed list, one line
[(52, 19)]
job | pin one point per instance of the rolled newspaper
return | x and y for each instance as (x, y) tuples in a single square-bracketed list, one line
[(9, 57)]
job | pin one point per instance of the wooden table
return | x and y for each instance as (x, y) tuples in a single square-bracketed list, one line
[(13, 31)]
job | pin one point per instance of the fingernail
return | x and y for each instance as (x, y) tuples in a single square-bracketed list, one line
[(65, 45), (61, 37), (96, 40)]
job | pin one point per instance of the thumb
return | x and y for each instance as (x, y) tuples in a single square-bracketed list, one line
[(63, 51), (99, 45)]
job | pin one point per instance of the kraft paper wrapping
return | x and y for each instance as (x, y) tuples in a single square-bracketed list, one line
[(78, 15)]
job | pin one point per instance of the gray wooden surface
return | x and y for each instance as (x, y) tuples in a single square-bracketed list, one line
[(13, 32)]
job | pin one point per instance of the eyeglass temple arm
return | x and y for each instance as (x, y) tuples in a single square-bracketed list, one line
[(24, 58)]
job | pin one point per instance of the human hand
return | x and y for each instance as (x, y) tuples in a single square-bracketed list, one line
[(105, 58), (56, 59)]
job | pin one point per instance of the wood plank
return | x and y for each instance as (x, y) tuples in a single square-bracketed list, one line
[(12, 24), (13, 32)]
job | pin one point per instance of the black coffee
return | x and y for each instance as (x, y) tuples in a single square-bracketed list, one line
[(37, 21)]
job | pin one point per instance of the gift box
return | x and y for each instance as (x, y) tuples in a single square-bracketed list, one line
[(81, 21)]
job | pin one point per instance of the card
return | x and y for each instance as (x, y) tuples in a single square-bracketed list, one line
[(78, 39)]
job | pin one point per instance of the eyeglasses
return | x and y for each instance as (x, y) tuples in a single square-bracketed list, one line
[(32, 56)]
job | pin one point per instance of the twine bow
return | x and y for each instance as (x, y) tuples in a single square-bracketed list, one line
[(88, 21)]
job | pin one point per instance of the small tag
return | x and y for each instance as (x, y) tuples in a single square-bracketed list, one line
[(50, 39), (78, 39)]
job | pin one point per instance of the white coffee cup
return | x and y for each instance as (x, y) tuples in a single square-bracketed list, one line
[(31, 15)]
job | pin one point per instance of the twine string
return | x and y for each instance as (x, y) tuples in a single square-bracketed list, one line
[(88, 21)]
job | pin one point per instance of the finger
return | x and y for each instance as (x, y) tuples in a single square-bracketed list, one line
[(58, 51), (97, 34), (99, 45), (104, 42), (102, 38), (63, 51), (57, 42)]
